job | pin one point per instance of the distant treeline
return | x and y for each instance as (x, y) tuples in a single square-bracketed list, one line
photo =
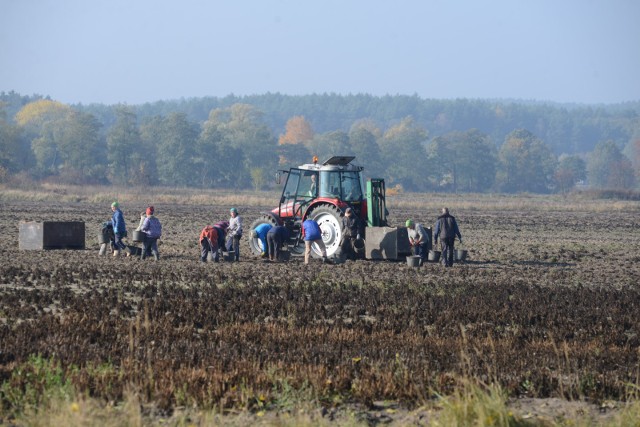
[(237, 142)]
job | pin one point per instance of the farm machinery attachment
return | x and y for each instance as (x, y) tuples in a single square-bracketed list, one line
[(323, 192)]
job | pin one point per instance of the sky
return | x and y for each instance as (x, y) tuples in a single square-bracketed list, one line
[(137, 51)]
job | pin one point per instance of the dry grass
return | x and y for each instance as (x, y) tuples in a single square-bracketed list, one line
[(427, 202), (471, 405)]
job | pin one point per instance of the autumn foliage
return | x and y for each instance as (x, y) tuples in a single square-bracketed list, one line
[(298, 130)]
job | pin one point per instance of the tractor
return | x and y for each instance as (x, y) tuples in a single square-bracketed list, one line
[(322, 192)]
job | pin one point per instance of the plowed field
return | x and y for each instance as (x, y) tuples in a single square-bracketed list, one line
[(546, 305)]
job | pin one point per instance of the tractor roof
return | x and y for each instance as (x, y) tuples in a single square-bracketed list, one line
[(335, 163)]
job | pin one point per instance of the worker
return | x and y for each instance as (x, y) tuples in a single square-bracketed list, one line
[(152, 229), (311, 234), (275, 240), (221, 227), (119, 229), (234, 233), (260, 232), (446, 229), (352, 230), (418, 239), (208, 243), (133, 249), (107, 233), (313, 185)]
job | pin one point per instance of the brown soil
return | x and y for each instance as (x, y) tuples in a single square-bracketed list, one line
[(546, 305)]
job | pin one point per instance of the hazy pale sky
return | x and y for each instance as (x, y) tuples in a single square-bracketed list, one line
[(135, 51)]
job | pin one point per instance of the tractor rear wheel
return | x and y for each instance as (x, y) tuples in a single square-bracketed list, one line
[(254, 243), (329, 219)]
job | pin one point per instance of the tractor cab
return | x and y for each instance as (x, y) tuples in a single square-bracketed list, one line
[(335, 182), (323, 192)]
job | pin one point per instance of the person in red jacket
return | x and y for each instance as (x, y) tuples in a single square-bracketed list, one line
[(208, 243)]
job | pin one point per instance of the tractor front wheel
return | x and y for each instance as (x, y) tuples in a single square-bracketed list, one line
[(329, 219)]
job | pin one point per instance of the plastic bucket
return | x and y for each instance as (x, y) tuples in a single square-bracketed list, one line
[(228, 256), (413, 261), (461, 254), (434, 256), (103, 238), (284, 255), (358, 246), (138, 236), (134, 251)]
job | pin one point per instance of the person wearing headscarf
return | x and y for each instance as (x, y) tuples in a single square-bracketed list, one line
[(152, 229)]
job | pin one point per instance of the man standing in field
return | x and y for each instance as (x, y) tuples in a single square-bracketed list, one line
[(352, 229), (446, 229)]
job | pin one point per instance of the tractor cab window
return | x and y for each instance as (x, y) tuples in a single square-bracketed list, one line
[(330, 184), (291, 187), (308, 187), (341, 185), (351, 188)]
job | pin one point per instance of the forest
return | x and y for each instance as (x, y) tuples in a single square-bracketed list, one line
[(238, 142)]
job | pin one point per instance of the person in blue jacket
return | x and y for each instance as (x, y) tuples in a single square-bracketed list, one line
[(260, 232), (275, 239), (312, 234), (119, 228)]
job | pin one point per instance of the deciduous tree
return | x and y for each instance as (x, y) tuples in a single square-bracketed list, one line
[(526, 164), (570, 170), (297, 131), (609, 168), (124, 147), (463, 161), (402, 149), (176, 149)]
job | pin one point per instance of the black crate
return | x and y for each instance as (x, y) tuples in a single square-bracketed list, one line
[(51, 235)]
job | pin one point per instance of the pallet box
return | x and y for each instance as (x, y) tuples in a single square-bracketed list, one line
[(51, 235)]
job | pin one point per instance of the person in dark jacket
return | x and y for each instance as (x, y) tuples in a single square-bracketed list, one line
[(352, 230), (275, 239), (152, 230), (446, 229), (119, 229), (221, 227)]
